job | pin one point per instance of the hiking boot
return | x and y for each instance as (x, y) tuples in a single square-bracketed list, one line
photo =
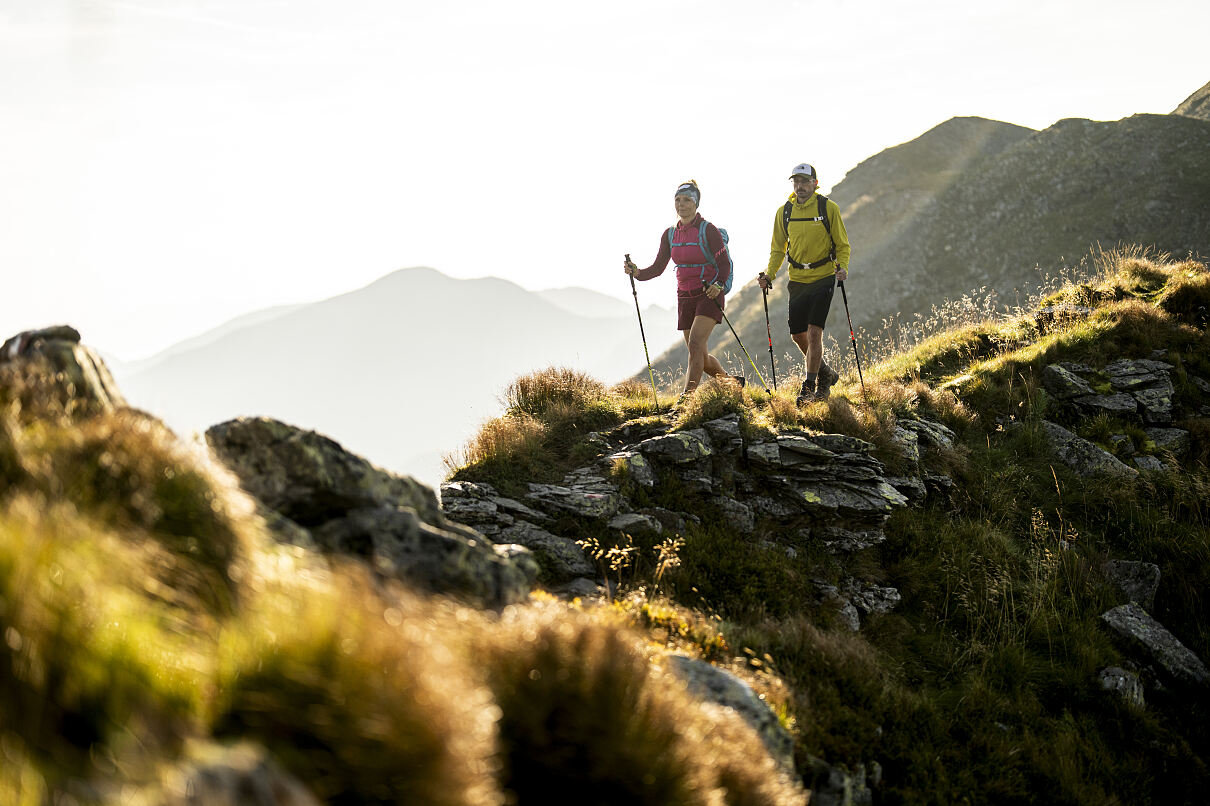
[(741, 380), (827, 377), (805, 394)]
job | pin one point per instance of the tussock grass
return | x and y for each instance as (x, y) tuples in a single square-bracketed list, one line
[(711, 400), (587, 717), (362, 699), (129, 472), (94, 644), (555, 391)]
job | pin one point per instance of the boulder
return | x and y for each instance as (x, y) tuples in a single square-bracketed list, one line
[(634, 465), (636, 523), (1116, 405), (869, 598), (738, 516), (794, 449), (558, 500), (1144, 635), (560, 558), (1173, 440), (1148, 463), (680, 447), (1136, 581), (308, 477), (1135, 373), (1155, 403), (397, 543), (723, 688), (1082, 456), (846, 611), (908, 442), (1125, 683), (50, 365), (1063, 384)]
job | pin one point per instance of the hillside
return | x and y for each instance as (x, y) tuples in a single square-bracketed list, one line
[(387, 369), (984, 207), (978, 579), (1196, 105)]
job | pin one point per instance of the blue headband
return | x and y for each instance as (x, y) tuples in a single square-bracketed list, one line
[(689, 190)]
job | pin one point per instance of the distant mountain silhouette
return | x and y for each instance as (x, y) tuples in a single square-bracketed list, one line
[(976, 203), (402, 371)]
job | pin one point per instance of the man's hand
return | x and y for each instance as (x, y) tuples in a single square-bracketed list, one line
[(841, 274), (764, 281)]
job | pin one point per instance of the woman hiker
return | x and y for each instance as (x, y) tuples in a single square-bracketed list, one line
[(699, 287)]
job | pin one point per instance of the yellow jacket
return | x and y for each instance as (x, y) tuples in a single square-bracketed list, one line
[(808, 242)]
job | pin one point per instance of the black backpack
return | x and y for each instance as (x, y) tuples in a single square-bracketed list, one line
[(827, 227)]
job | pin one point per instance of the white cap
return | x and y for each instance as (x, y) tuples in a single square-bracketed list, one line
[(803, 169)]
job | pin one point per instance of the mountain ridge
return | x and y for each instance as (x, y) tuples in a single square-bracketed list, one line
[(356, 365)]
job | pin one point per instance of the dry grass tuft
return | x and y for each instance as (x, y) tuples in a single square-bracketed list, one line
[(500, 438), (539, 392), (711, 400)]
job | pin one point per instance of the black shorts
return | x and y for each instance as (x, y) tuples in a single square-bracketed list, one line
[(809, 303)]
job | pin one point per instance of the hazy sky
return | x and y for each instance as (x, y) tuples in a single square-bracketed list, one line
[(166, 165)]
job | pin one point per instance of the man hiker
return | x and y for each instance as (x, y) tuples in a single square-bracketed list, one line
[(808, 232)]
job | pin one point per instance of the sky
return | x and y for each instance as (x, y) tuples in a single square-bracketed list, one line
[(168, 165)]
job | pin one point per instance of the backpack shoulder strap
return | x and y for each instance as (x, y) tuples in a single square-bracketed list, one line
[(827, 225), (704, 243), (785, 218)]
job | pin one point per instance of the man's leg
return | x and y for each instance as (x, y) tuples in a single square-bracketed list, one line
[(810, 343)]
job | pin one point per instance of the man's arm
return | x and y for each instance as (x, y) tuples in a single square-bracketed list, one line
[(840, 237), (777, 250)]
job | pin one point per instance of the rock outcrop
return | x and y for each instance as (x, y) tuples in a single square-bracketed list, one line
[(1138, 391), (788, 490), (69, 375), (320, 495)]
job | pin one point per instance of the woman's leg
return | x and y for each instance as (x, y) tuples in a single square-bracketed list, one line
[(699, 360)]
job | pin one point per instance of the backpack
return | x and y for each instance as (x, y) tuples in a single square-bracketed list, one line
[(705, 247), (827, 227)]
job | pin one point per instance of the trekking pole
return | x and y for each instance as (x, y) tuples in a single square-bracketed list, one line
[(769, 330), (741, 344), (852, 337), (634, 290)]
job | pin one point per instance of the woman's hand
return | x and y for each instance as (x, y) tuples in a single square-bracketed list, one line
[(629, 267), (713, 290)]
